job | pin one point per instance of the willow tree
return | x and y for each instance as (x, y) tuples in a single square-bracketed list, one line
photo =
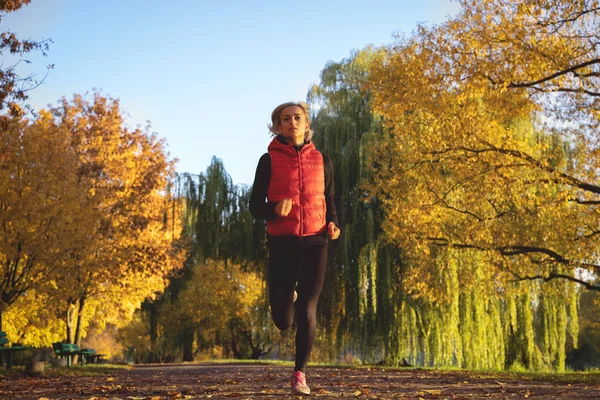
[(357, 304), (217, 227), (434, 304), (477, 163), (505, 98)]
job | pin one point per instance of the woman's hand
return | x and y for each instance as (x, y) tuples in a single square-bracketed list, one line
[(283, 208), (333, 231)]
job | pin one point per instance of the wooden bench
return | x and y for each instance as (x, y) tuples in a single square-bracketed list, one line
[(68, 350), (9, 350), (91, 357)]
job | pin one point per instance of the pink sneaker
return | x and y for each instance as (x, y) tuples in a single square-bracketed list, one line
[(299, 383)]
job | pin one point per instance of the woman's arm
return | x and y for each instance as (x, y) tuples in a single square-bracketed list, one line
[(331, 215), (259, 206)]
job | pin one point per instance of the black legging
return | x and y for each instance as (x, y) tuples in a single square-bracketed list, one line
[(305, 265)]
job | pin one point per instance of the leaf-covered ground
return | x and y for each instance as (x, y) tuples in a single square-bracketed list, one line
[(216, 381)]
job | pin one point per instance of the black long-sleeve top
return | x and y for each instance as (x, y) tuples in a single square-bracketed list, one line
[(262, 209)]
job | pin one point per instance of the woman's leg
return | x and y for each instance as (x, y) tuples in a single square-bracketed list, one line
[(311, 275), (283, 274)]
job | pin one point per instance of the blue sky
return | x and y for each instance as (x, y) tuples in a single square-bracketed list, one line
[(206, 74)]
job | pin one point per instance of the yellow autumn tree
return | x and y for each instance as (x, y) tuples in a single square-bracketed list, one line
[(251, 331), (203, 306), (128, 246), (225, 307), (32, 320), (41, 208), (492, 142)]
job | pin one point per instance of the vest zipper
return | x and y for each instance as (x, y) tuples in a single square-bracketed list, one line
[(300, 182)]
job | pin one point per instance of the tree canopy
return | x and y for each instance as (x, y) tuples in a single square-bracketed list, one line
[(85, 212), (492, 137)]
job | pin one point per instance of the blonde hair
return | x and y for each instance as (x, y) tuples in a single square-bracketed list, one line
[(276, 118)]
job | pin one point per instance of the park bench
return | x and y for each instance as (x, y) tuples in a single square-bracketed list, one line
[(9, 350), (68, 350), (91, 357)]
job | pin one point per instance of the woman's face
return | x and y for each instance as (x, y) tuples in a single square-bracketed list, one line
[(293, 125)]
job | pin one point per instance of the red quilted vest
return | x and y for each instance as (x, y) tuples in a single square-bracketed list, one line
[(299, 175)]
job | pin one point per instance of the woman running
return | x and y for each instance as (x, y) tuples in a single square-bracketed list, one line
[(293, 190)]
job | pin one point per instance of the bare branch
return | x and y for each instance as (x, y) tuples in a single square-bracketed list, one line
[(571, 90), (524, 156), (553, 276), (594, 233), (517, 250), (574, 17), (555, 75), (579, 201)]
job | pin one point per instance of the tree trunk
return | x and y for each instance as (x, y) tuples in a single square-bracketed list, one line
[(69, 320), (79, 318), (256, 353), (71, 327), (188, 345), (234, 349), (153, 312), (2, 352)]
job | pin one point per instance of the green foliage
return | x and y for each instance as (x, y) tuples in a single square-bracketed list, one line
[(460, 313), (352, 298), (208, 305)]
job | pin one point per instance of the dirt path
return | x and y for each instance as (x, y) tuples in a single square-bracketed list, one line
[(205, 381)]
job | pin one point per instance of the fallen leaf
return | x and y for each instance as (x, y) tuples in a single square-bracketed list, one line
[(212, 388), (527, 393), (433, 391), (357, 393), (500, 383)]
